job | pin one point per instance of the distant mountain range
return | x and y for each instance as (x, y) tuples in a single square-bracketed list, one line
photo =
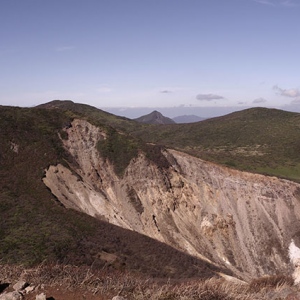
[(156, 117), (188, 119)]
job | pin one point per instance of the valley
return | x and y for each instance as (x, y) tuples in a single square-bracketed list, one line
[(83, 187), (239, 221)]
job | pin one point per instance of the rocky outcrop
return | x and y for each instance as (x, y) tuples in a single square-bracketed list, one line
[(41, 296), (11, 296), (19, 289), (244, 222)]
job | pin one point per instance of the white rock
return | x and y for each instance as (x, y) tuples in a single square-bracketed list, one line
[(12, 296), (29, 289), (41, 296), (20, 285)]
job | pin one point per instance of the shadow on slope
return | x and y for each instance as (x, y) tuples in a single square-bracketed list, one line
[(34, 227)]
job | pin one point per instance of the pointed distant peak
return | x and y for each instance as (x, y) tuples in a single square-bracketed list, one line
[(156, 113), (155, 117)]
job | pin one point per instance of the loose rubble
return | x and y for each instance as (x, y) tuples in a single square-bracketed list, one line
[(20, 288)]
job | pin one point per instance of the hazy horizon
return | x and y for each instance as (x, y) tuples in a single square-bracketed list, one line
[(172, 112)]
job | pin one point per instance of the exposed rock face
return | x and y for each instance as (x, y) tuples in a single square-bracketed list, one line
[(20, 285), (41, 296), (11, 296), (244, 222)]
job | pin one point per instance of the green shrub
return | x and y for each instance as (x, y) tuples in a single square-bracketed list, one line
[(119, 149)]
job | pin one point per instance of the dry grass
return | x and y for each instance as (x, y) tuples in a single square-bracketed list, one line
[(267, 282), (107, 284)]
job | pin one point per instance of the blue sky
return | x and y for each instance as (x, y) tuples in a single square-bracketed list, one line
[(151, 53)]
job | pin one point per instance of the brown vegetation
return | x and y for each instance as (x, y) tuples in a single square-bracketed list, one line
[(34, 227), (106, 283)]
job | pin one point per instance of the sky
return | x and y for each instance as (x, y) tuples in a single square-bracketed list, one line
[(126, 54)]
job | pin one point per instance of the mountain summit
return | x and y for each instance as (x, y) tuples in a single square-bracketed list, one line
[(155, 118)]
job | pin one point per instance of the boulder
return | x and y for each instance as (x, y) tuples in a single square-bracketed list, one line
[(11, 296), (20, 285), (41, 296), (29, 289)]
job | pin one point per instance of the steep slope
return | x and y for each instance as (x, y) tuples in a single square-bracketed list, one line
[(230, 221), (240, 221), (259, 140), (154, 117), (35, 227)]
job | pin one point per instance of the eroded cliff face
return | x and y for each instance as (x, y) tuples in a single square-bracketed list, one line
[(244, 222)]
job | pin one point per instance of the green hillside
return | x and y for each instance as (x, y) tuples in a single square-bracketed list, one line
[(258, 140), (93, 114), (35, 227), (33, 224)]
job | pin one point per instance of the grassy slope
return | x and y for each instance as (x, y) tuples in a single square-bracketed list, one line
[(121, 146), (94, 115), (258, 139), (35, 227)]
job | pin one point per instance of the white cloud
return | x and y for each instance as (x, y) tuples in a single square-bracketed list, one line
[(266, 2), (295, 102), (208, 97), (286, 3), (289, 3), (103, 88), (259, 100), (170, 89), (292, 93)]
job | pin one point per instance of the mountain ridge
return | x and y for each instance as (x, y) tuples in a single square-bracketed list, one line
[(35, 227), (181, 215), (89, 164), (187, 119)]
